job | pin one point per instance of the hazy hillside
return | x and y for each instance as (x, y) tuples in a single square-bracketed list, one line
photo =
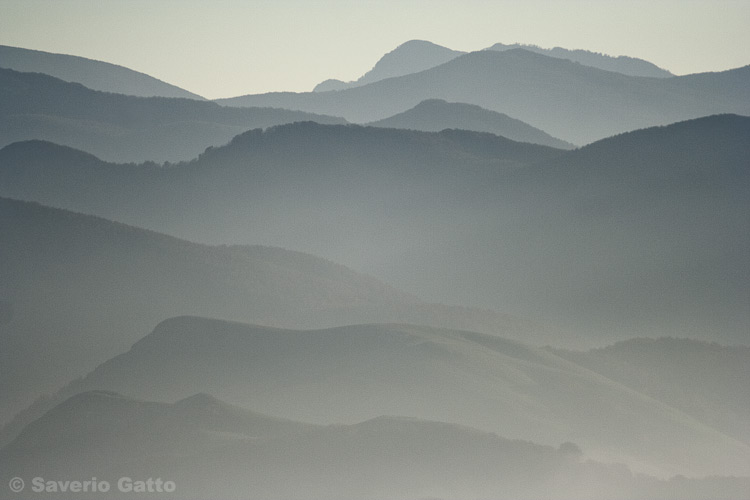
[(575, 103), (349, 191), (434, 115), (119, 127), (105, 420), (621, 64), (79, 289), (409, 57), (210, 449), (643, 234), (96, 75), (350, 374), (705, 380)]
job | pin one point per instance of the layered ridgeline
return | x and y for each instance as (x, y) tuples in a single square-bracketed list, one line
[(434, 115), (97, 75), (355, 373), (418, 55), (626, 65), (640, 234), (200, 447), (76, 290), (573, 102), (121, 127), (352, 192)]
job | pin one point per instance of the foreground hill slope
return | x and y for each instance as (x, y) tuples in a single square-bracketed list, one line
[(210, 449), (96, 75), (122, 127), (354, 373), (575, 103), (434, 115), (79, 289), (700, 378)]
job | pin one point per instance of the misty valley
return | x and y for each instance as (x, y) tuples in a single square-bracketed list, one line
[(515, 273)]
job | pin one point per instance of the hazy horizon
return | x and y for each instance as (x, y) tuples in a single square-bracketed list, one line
[(383, 261), (230, 48)]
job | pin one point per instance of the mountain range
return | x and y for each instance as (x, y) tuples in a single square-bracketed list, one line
[(570, 101), (600, 241), (418, 55), (120, 127), (247, 298)]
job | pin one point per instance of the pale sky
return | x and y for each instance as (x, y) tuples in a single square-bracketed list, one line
[(224, 48)]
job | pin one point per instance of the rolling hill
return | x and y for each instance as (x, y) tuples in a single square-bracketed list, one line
[(434, 115), (79, 289), (120, 127), (96, 75), (573, 102), (355, 373)]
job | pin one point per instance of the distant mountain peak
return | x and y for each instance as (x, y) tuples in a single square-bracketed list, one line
[(412, 56), (409, 57)]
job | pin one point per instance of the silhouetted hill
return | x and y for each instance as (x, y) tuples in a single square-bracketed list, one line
[(573, 102), (410, 57), (354, 373), (119, 127), (621, 64), (96, 75), (79, 289), (699, 378), (641, 234), (364, 187), (102, 435), (434, 115)]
